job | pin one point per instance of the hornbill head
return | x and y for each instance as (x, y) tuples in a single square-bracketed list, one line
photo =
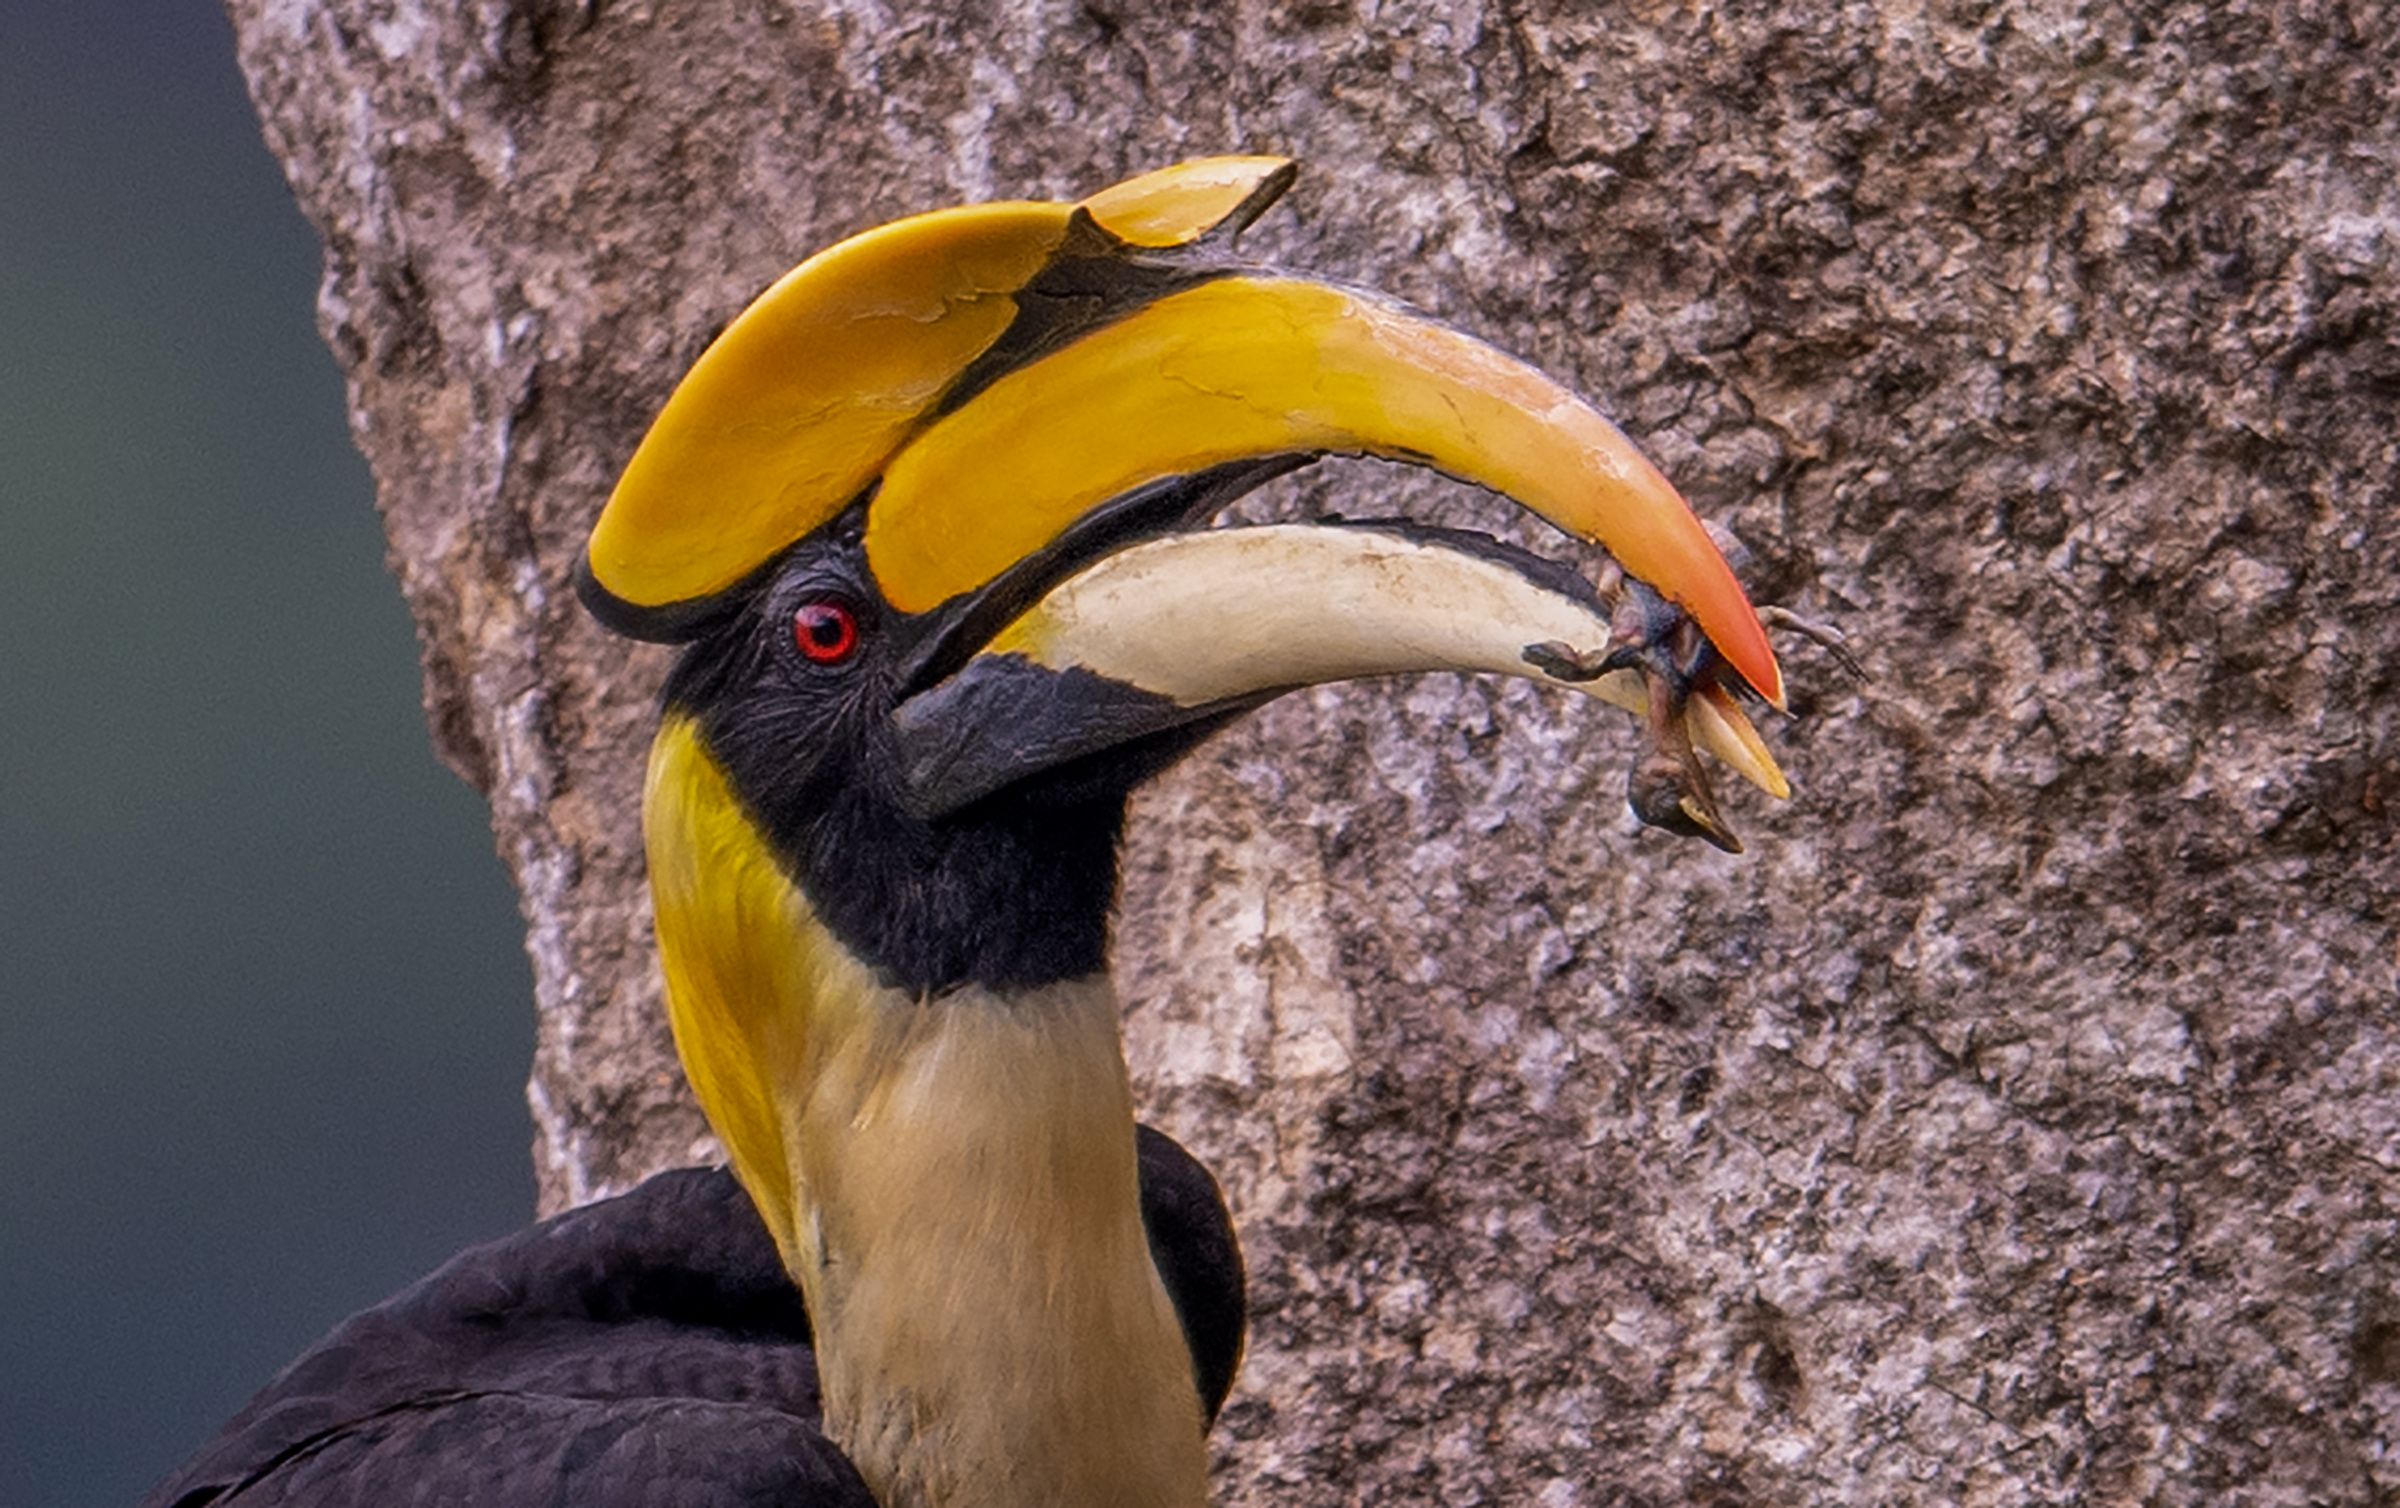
[(929, 518)]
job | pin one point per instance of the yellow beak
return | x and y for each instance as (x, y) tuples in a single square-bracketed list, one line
[(981, 379)]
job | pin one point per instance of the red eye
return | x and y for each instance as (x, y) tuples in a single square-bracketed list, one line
[(825, 632)]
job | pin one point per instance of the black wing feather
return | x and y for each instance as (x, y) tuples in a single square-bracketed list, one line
[(641, 1352), (1193, 1246), (646, 1351)]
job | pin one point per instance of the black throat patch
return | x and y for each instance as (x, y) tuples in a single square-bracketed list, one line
[(1011, 893)]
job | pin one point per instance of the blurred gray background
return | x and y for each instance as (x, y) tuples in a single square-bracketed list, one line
[(263, 1012)]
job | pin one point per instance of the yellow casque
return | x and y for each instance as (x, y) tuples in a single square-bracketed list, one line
[(805, 397)]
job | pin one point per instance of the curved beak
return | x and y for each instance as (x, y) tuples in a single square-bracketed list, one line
[(1245, 366), (978, 381), (1174, 635)]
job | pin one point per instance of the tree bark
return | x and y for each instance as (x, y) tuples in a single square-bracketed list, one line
[(2018, 1121)]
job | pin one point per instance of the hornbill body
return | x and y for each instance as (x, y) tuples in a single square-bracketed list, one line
[(929, 519)]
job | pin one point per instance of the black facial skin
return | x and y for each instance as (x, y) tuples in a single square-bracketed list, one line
[(1012, 892)]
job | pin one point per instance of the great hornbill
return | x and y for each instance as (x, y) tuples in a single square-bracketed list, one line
[(929, 519)]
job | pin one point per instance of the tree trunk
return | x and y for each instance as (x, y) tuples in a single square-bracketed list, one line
[(2017, 1121)]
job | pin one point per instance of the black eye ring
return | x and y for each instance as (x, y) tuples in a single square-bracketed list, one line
[(825, 632)]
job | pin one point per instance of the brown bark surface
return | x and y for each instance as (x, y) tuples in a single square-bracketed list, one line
[(2019, 1121)]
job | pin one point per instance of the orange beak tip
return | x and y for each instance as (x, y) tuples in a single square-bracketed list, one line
[(1746, 649), (1755, 659), (1775, 693)]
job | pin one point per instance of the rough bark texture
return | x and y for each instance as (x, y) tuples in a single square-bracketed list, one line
[(2018, 1121)]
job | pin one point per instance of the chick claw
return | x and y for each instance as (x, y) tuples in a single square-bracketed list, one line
[(1824, 635)]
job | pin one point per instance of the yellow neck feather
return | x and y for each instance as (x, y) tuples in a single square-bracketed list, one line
[(952, 1182)]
